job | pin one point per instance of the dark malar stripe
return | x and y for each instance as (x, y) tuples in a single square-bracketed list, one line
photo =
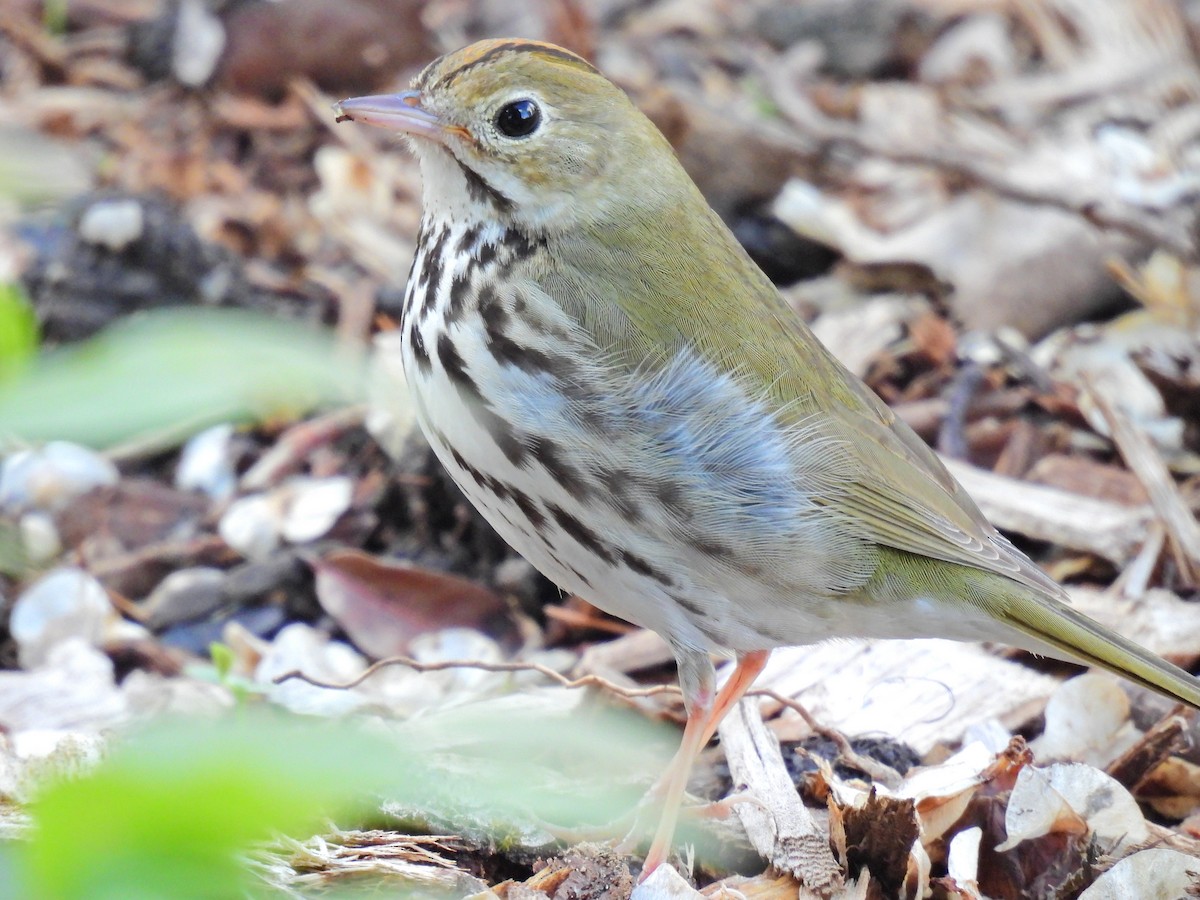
[(481, 191), (431, 270), (410, 292)]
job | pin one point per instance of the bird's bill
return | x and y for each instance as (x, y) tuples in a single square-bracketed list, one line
[(402, 112)]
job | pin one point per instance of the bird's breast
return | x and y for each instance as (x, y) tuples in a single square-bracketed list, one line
[(668, 494)]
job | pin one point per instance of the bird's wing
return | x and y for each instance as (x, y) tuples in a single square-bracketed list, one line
[(655, 297), (906, 499)]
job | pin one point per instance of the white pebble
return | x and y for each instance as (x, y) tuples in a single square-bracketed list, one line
[(66, 603), (199, 40), (251, 525), (114, 224), (206, 463), (314, 506), (298, 511), (39, 537), (51, 476)]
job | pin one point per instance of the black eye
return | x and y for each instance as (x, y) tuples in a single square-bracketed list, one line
[(518, 119)]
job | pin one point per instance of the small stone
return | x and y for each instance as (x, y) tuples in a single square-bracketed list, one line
[(251, 581), (198, 43), (315, 505), (299, 647), (251, 525), (114, 224), (39, 537), (185, 596), (298, 511), (66, 603), (206, 463), (51, 476)]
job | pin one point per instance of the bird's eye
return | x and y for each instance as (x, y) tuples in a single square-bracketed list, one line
[(520, 118)]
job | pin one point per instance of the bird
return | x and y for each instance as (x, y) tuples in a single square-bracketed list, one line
[(630, 402)]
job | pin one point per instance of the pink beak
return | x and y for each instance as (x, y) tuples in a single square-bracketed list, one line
[(402, 112)]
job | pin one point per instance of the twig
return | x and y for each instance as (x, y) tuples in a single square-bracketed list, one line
[(417, 666), (1146, 462), (878, 771), (952, 436), (1082, 199), (187, 551), (297, 442), (779, 826), (1134, 579)]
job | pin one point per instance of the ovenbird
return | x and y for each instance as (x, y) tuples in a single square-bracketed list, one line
[(628, 400)]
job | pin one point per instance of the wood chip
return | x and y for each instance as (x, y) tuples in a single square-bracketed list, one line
[(776, 820), (1143, 458), (922, 692)]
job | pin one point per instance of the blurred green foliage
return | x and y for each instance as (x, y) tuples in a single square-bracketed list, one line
[(163, 375), (18, 331), (174, 809)]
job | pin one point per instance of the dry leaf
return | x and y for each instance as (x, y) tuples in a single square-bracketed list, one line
[(382, 606)]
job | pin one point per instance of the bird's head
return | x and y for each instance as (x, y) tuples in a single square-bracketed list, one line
[(528, 132)]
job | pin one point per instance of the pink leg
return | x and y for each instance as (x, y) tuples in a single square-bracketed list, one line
[(703, 719)]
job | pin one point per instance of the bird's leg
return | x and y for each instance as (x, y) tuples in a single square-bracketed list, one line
[(704, 715), (749, 667)]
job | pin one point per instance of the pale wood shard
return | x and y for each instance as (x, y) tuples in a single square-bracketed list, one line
[(1142, 456), (923, 692), (633, 652), (778, 824), (933, 692)]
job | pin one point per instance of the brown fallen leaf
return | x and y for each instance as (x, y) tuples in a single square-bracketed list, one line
[(384, 605), (1081, 475)]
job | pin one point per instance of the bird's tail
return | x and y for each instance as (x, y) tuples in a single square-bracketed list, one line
[(1066, 632)]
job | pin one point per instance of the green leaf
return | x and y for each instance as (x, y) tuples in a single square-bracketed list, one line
[(166, 374), (222, 658), (54, 16), (170, 812), (14, 560), (173, 810), (18, 331)]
